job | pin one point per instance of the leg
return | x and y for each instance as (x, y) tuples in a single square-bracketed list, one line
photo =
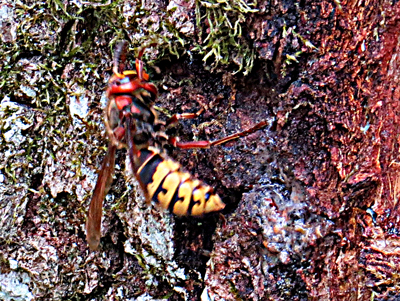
[(176, 117), (245, 133), (207, 144)]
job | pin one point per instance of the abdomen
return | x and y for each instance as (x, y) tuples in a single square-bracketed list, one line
[(171, 188)]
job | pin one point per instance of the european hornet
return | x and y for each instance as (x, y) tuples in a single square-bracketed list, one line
[(131, 122)]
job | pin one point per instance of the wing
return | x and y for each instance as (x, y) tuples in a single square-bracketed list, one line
[(132, 153), (93, 224)]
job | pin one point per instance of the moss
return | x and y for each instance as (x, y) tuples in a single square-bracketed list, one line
[(219, 38), (220, 23)]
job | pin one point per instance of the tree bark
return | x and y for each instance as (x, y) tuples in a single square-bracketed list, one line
[(312, 200)]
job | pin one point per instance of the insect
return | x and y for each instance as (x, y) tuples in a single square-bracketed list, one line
[(132, 123)]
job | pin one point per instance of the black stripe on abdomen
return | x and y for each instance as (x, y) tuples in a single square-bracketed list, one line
[(165, 183), (147, 171)]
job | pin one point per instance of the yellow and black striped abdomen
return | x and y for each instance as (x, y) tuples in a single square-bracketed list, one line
[(171, 188)]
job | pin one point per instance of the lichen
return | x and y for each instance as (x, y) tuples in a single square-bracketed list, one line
[(14, 287)]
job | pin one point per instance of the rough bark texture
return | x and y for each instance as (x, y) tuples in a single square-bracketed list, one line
[(312, 200)]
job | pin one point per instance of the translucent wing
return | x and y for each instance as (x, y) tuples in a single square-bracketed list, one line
[(93, 224)]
